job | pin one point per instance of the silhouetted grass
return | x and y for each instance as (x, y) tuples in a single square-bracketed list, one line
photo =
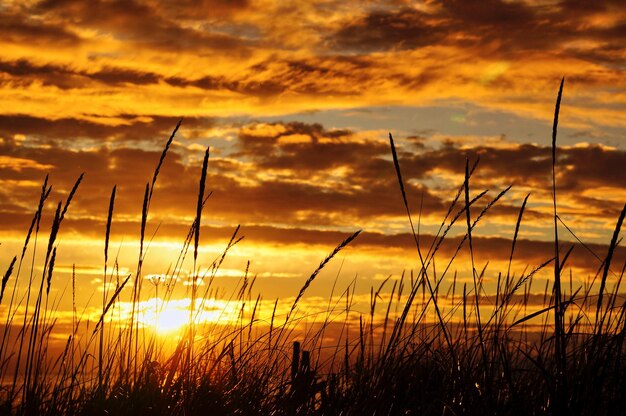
[(435, 354)]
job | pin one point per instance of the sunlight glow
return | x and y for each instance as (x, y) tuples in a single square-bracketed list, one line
[(164, 317), (172, 316)]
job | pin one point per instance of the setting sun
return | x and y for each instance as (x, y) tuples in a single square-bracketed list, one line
[(166, 317), (172, 316)]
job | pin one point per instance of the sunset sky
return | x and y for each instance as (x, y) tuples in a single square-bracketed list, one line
[(295, 100)]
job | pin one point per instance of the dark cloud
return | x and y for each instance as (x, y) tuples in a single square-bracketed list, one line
[(322, 149), (123, 128), (138, 22), (327, 75), (22, 67), (24, 73), (201, 9), (65, 77), (286, 173), (509, 29), (279, 199), (113, 76), (490, 28), (368, 166), (404, 29), (17, 27), (247, 87), (491, 13), (261, 80), (529, 253), (342, 63), (579, 168), (610, 53)]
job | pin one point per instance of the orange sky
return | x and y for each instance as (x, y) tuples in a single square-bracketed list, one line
[(295, 99)]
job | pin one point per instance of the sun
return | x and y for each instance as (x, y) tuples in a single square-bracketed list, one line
[(166, 317), (171, 320)]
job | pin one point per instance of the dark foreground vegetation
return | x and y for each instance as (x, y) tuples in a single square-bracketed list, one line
[(421, 352)]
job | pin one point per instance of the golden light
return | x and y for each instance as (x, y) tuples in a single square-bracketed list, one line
[(172, 316), (165, 317)]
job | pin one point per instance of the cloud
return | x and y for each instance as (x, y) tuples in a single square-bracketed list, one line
[(123, 128), (305, 176), (201, 10), (120, 17), (404, 29), (319, 55), (18, 27), (494, 27), (398, 248), (579, 167)]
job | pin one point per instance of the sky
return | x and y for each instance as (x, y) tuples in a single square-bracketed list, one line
[(295, 100)]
